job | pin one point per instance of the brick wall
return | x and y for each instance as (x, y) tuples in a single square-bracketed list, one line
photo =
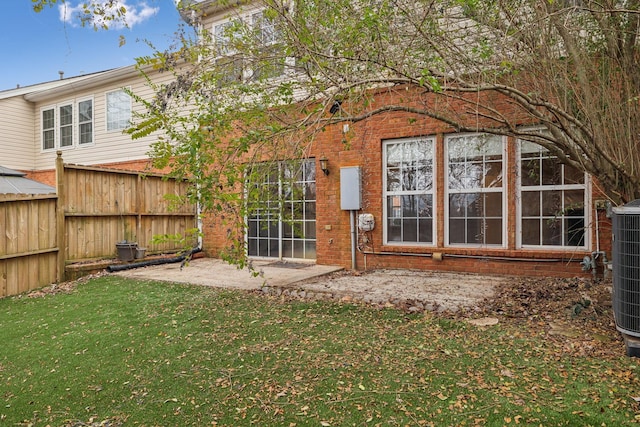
[(365, 141), (361, 146)]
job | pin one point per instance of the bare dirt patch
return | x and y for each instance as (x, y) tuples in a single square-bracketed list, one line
[(410, 290)]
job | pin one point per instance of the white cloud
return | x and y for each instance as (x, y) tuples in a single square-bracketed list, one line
[(134, 14)]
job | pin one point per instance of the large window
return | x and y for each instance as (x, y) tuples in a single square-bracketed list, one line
[(118, 110), (67, 124), (552, 200), (475, 165), (408, 191)]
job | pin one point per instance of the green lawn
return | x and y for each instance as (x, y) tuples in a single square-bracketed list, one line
[(120, 352)]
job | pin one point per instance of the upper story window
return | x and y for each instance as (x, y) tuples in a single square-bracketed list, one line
[(67, 124), (475, 165), (264, 29), (552, 200), (267, 62), (408, 191), (85, 121), (118, 110), (222, 34), (48, 125)]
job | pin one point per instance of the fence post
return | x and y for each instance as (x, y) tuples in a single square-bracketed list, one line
[(60, 218)]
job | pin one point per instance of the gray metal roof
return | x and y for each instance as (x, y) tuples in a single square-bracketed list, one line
[(14, 182)]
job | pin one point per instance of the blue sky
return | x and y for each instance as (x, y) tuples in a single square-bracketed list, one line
[(35, 46)]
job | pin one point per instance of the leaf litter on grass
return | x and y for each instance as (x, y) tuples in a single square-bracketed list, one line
[(229, 358)]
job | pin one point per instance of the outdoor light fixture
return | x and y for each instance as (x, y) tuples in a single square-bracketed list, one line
[(324, 165)]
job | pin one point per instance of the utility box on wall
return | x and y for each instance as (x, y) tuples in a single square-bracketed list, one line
[(350, 189)]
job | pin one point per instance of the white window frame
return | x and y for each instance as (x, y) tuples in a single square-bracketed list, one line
[(79, 123), (119, 127), (225, 54), (503, 190), (66, 126), (586, 187), (71, 128), (53, 129), (386, 193)]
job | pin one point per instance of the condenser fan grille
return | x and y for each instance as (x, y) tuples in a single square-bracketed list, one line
[(626, 268)]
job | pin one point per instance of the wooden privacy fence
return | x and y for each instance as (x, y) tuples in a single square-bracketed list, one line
[(94, 209), (28, 243)]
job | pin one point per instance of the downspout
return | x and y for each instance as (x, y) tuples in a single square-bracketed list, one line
[(353, 239)]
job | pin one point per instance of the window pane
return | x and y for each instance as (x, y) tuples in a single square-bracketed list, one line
[(474, 205), (531, 232), (48, 139), (574, 202), (410, 230), (409, 179), (310, 230), (551, 232), (475, 231), (310, 210), (48, 119), (493, 174), (394, 230), (458, 205), (118, 110), (86, 133), (85, 122), (530, 172), (425, 206), (551, 172), (457, 231), (66, 115), (573, 175), (252, 247), (48, 129), (409, 208), (425, 230), (310, 249), (66, 136), (457, 173), (530, 203), (493, 205), (574, 234), (393, 179), (394, 155), (493, 232), (230, 70), (310, 190), (473, 176), (551, 203), (66, 125), (85, 111), (424, 178)]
